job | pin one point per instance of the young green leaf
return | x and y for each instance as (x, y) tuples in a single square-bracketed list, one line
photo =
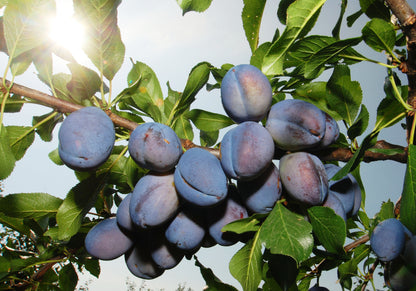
[(408, 201), (29, 205), (252, 15), (360, 124), (21, 138), (7, 159), (287, 233), (193, 5), (246, 264), (183, 128), (208, 121), (329, 228)]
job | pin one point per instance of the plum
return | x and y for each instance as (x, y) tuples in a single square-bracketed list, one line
[(86, 139), (123, 214), (228, 211), (346, 189), (163, 253), (331, 131), (260, 194), (200, 179), (154, 200), (155, 146), (106, 241), (246, 151), (388, 239), (186, 231), (398, 276), (246, 93), (409, 253), (318, 288), (140, 263), (304, 178), (296, 124), (333, 202)]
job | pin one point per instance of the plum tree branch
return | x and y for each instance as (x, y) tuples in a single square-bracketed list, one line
[(329, 154)]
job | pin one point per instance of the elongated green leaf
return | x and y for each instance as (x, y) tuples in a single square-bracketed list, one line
[(349, 268), (4, 267), (327, 55), (103, 43), (329, 228), (68, 278), (360, 124), (78, 201), (212, 281), (408, 201), (300, 15), (244, 225), (7, 159), (348, 94), (208, 121), (21, 138), (287, 233), (375, 9), (337, 27), (379, 35), (389, 112), (183, 128), (14, 223), (14, 103), (193, 5), (282, 10), (208, 138), (29, 205), (252, 15), (46, 123), (25, 24), (84, 83), (246, 264)]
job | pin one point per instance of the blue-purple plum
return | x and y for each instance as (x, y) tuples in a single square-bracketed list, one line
[(296, 124), (155, 146), (304, 178), (246, 93), (246, 151), (123, 215), (200, 179), (398, 276), (260, 194), (140, 263), (163, 253), (186, 231), (388, 239), (86, 139), (220, 215), (106, 241), (154, 200), (331, 131), (409, 253), (333, 202), (346, 189)]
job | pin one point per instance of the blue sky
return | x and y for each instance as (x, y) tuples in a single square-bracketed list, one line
[(171, 44)]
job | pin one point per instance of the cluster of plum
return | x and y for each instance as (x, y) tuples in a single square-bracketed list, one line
[(187, 197), (395, 246)]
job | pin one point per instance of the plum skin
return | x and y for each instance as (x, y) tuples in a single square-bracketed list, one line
[(246, 93), (200, 179), (106, 241), (154, 200), (388, 239), (86, 139), (294, 131), (304, 178), (155, 146), (246, 151)]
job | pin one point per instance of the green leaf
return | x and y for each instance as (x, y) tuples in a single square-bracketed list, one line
[(246, 264), (208, 138), (337, 27), (389, 112), (212, 281), (42, 59), (349, 268), (7, 159), (375, 9), (77, 203), (327, 55), (408, 201), (60, 82), (25, 24), (84, 82), (329, 228), (68, 278), (46, 124), (379, 35), (360, 124), (287, 233), (14, 103), (386, 211), (103, 44), (251, 16), (4, 267), (183, 128), (54, 156), (93, 266), (346, 95), (21, 138), (300, 16), (208, 121), (282, 10), (244, 225), (14, 223), (29, 205), (193, 5)]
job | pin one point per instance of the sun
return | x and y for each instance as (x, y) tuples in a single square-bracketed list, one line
[(65, 31)]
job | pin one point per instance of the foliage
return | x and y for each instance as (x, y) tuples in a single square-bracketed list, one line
[(42, 246)]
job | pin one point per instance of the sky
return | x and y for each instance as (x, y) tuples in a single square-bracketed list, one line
[(156, 33)]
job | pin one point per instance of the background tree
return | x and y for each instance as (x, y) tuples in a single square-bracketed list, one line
[(43, 242)]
